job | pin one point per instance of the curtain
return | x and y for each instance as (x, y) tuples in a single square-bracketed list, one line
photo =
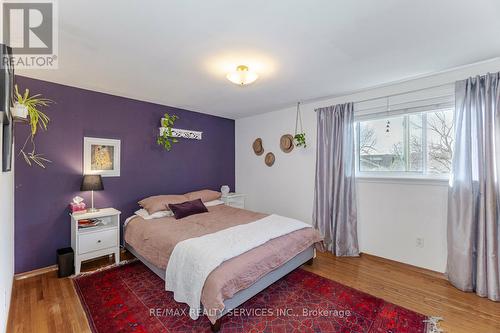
[(473, 197), (334, 213)]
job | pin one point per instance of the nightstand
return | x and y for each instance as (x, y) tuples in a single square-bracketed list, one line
[(98, 241), (236, 200)]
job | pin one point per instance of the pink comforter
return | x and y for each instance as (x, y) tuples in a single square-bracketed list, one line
[(155, 240)]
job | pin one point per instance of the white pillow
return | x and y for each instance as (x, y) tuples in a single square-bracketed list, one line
[(145, 215), (164, 213), (213, 203)]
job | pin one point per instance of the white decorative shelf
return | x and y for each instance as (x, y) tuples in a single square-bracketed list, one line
[(182, 133)]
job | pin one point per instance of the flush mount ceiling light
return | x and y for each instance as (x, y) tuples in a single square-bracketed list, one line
[(242, 76)]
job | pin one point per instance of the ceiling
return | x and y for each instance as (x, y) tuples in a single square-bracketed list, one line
[(177, 53)]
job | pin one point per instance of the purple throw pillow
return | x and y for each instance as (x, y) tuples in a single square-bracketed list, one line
[(188, 208)]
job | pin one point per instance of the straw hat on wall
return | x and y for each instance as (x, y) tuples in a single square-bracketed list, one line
[(258, 149), (286, 143), (269, 160)]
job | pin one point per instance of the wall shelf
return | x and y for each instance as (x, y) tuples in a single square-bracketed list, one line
[(182, 133)]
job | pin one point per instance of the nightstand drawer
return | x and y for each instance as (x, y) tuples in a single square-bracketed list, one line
[(97, 241)]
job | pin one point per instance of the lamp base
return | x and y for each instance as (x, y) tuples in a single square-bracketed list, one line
[(92, 209)]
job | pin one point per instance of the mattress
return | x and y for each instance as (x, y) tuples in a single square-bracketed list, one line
[(154, 240)]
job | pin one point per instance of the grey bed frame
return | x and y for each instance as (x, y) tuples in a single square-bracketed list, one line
[(304, 257)]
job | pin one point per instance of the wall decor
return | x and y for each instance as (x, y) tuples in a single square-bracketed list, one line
[(257, 147), (300, 136), (19, 111), (168, 135), (27, 109), (182, 133), (165, 138), (269, 160), (101, 157), (286, 143)]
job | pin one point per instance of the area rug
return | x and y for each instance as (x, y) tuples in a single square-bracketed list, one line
[(131, 298)]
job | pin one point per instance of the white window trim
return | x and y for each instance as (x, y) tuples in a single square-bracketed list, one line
[(396, 176), (403, 178)]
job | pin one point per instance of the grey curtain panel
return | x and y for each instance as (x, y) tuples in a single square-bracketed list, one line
[(335, 214), (473, 198)]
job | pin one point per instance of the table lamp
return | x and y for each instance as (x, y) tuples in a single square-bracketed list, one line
[(92, 183)]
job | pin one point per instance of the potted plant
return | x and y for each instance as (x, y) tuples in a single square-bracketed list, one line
[(30, 105), (19, 111), (165, 139), (300, 136), (300, 140)]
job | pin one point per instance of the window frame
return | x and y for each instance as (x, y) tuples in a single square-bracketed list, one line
[(398, 176)]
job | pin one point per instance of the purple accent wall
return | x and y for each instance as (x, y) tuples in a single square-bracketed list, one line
[(42, 224)]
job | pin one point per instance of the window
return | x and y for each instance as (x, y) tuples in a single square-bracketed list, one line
[(411, 144)]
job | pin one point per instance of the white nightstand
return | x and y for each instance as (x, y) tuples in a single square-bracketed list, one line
[(93, 242), (236, 200)]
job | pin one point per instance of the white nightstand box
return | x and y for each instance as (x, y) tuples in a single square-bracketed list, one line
[(236, 200), (93, 242)]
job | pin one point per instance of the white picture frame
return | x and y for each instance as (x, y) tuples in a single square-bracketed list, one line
[(101, 157)]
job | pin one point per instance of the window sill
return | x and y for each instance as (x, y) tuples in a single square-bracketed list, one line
[(413, 180)]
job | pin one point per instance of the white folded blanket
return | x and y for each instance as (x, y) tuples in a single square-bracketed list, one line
[(192, 260)]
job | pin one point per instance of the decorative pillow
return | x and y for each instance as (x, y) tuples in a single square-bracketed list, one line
[(188, 208), (145, 215), (204, 195), (160, 202)]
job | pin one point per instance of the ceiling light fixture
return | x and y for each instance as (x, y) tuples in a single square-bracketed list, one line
[(242, 76)]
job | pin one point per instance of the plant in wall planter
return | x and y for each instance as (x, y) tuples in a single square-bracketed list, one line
[(19, 111), (300, 136), (27, 108), (165, 139), (300, 140)]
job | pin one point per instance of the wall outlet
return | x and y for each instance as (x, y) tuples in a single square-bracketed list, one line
[(419, 242)]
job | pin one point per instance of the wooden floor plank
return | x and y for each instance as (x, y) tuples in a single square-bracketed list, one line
[(45, 303)]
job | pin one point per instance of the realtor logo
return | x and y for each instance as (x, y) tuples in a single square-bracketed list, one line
[(30, 29)]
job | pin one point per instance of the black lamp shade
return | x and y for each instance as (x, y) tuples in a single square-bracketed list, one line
[(92, 183)]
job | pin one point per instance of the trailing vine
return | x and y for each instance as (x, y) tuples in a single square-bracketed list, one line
[(165, 138), (37, 120)]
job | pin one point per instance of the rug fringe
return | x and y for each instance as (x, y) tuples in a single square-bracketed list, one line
[(121, 263), (433, 324)]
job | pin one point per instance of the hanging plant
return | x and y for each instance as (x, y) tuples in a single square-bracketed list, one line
[(300, 140), (36, 120), (165, 138), (300, 136)]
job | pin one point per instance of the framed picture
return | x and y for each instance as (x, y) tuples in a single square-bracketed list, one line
[(101, 157)]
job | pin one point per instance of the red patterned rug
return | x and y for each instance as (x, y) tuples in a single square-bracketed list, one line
[(131, 298)]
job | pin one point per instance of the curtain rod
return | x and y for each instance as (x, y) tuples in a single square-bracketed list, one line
[(387, 96)]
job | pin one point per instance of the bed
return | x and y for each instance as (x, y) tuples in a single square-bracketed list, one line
[(235, 280)]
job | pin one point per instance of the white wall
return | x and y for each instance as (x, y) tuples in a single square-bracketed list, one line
[(6, 241), (392, 214)]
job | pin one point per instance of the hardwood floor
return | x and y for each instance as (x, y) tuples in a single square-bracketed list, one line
[(45, 303), (413, 288)]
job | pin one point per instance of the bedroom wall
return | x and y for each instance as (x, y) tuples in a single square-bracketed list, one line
[(6, 241), (42, 195), (392, 214)]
